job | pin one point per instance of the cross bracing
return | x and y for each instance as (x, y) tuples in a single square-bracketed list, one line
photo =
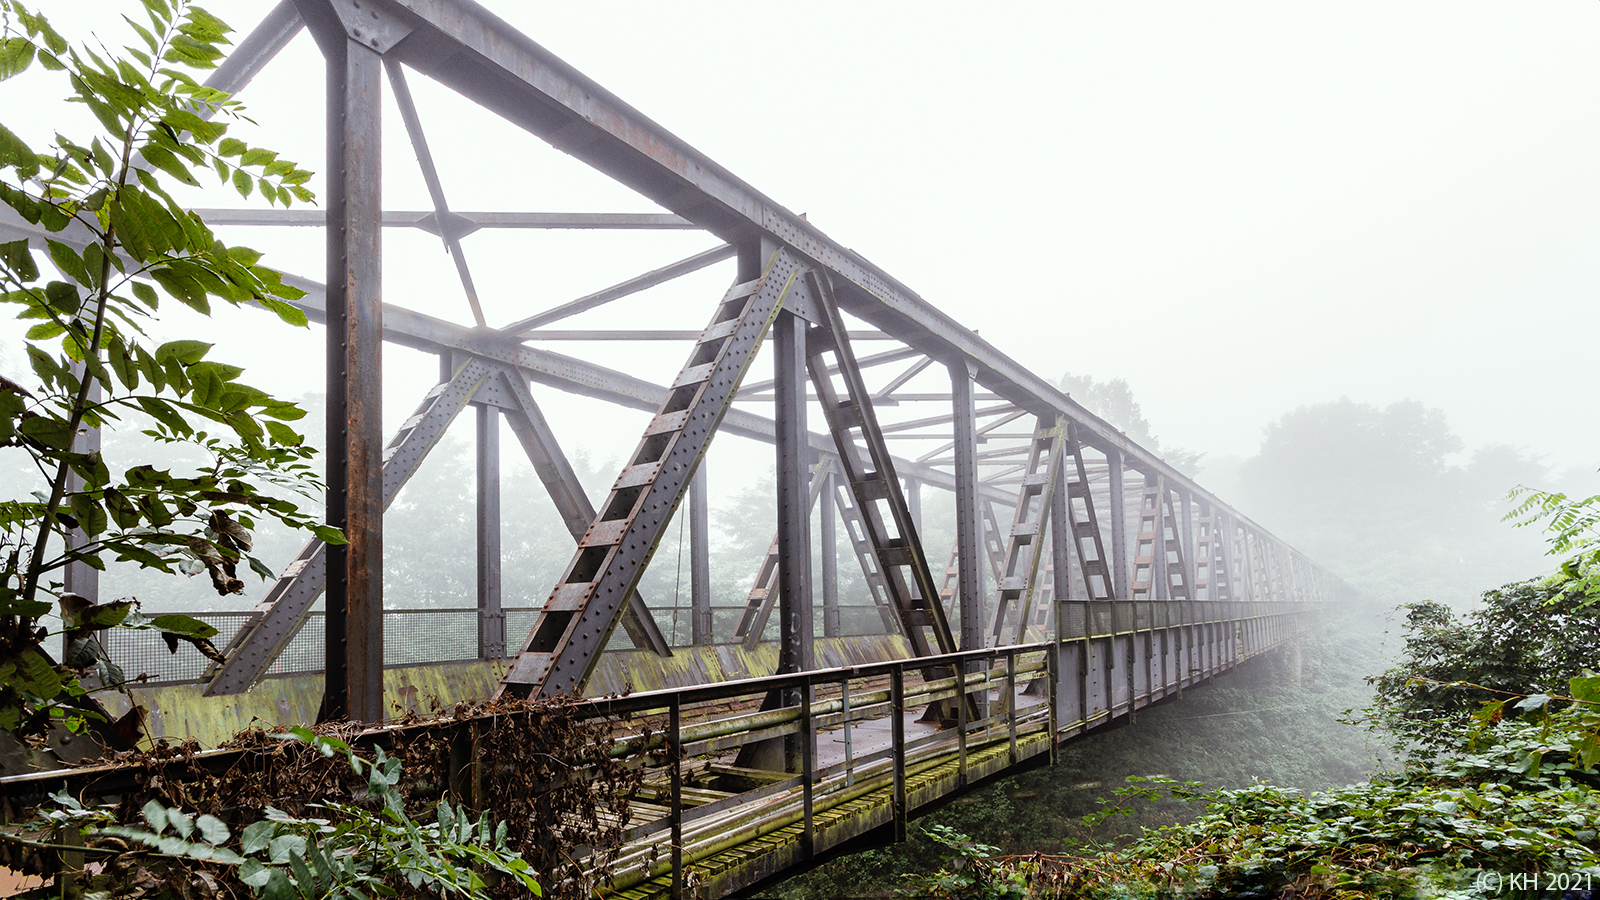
[(863, 429)]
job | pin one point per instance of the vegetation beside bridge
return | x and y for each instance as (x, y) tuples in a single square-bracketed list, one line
[(1496, 714)]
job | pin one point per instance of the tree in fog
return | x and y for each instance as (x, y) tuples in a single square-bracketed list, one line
[(1113, 401), (1374, 495)]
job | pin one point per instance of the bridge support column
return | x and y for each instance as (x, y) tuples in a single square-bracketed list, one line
[(1119, 525), (352, 198), (1190, 564), (969, 525), (699, 561), (491, 618), (795, 652)]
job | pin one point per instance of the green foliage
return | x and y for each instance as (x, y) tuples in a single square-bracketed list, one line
[(1521, 799), (1525, 638), (1573, 531), (116, 242), (1425, 526), (1271, 719), (375, 849), (1113, 401)]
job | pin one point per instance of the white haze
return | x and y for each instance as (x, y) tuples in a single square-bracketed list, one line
[(1238, 207)]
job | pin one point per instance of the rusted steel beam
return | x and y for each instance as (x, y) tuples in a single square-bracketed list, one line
[(282, 611), (466, 47), (560, 481), (567, 373), (430, 176), (624, 289), (587, 603), (794, 498), (491, 617), (259, 47), (354, 638), (871, 477)]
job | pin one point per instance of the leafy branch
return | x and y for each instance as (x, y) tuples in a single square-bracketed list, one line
[(117, 242), (1573, 530)]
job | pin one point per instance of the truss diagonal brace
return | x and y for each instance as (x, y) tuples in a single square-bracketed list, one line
[(872, 480), (586, 605), (1087, 540), (1024, 548), (528, 423), (281, 613)]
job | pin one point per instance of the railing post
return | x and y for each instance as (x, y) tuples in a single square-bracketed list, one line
[(674, 749), (897, 704), (1011, 701), (849, 754), (961, 724), (808, 766), (1052, 662), (491, 617)]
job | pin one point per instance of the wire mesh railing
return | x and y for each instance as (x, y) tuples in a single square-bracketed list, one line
[(410, 637), (424, 635)]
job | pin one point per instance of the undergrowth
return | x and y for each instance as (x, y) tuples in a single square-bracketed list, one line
[(388, 815)]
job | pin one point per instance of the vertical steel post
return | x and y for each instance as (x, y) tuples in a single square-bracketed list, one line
[(1119, 525), (491, 618), (1011, 702), (353, 200), (969, 524), (897, 740), (830, 559), (961, 726), (1052, 662), (674, 751), (849, 748), (1060, 554), (1191, 565), (699, 561), (808, 755), (795, 652)]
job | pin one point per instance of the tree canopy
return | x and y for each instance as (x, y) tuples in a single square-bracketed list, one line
[(1380, 497)]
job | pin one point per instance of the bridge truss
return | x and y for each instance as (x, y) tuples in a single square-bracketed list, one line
[(1054, 505)]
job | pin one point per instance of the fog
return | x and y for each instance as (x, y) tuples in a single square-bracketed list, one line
[(1237, 209)]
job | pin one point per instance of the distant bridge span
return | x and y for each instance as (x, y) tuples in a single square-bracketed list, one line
[(1087, 578)]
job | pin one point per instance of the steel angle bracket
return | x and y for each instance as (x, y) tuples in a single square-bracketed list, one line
[(539, 442), (587, 603), (279, 615), (1023, 549), (872, 480), (764, 592)]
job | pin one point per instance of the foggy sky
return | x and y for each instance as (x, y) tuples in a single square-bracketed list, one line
[(1238, 207)]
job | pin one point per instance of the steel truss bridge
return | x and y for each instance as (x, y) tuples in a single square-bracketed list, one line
[(1088, 578)]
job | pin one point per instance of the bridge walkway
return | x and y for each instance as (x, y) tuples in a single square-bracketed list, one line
[(709, 827)]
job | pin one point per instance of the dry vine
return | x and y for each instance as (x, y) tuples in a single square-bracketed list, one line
[(546, 768)]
